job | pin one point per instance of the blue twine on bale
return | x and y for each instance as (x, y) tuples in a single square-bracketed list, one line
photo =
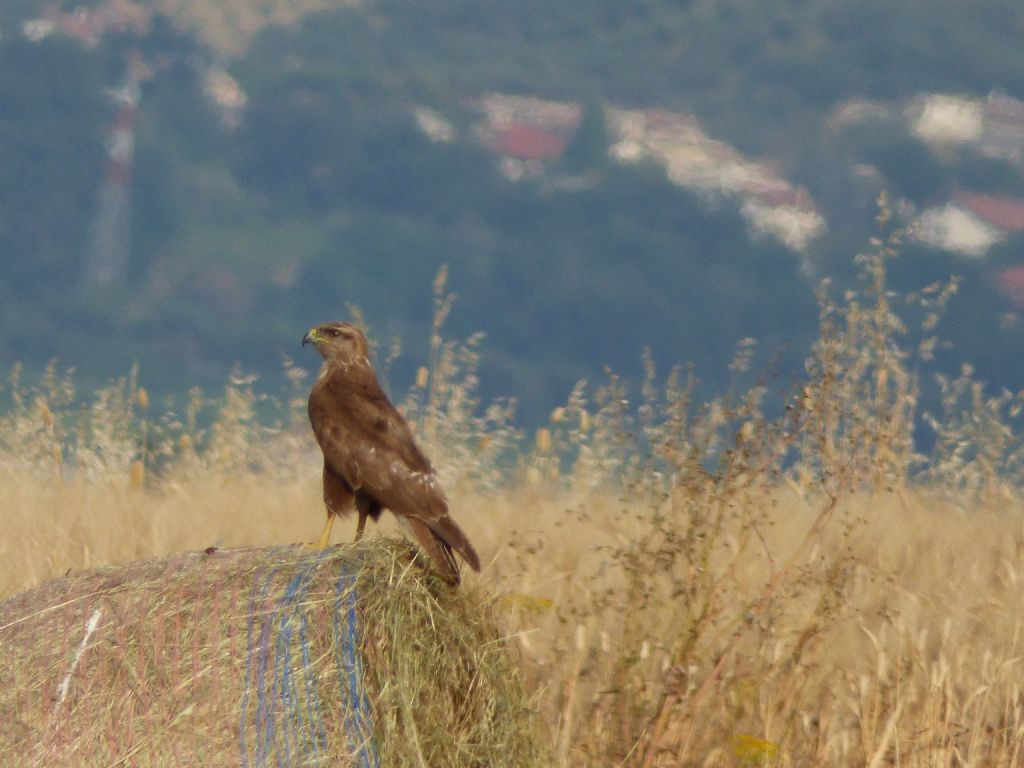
[(290, 725), (297, 711), (315, 712), (350, 676), (260, 587)]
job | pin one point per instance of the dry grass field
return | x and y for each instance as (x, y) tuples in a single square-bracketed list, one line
[(775, 578)]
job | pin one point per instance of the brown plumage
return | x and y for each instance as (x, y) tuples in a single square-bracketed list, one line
[(370, 456)]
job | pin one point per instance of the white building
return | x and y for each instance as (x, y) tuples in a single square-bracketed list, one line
[(957, 229)]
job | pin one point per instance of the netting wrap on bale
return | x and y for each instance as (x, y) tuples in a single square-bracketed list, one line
[(352, 656)]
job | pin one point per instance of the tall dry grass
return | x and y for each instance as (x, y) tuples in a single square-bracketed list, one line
[(777, 577)]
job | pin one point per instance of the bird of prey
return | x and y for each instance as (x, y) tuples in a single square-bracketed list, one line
[(370, 457)]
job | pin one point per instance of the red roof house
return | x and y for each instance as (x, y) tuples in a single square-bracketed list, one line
[(1010, 283), (526, 142), (1003, 213)]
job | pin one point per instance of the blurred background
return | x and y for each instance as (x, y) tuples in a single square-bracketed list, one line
[(191, 184)]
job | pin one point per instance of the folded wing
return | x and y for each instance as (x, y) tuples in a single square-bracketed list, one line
[(367, 442)]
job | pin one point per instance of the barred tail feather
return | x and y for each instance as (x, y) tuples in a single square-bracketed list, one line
[(438, 549), (448, 530)]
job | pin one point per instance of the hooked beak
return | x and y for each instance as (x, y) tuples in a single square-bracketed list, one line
[(310, 337)]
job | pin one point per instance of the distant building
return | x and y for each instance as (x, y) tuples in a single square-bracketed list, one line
[(1010, 283), (524, 142), (226, 95), (525, 131), (501, 110), (855, 111), (787, 215), (714, 169), (434, 125), (1002, 132), (994, 127), (971, 223), (957, 230), (35, 30), (1006, 214), (941, 119), (88, 25)]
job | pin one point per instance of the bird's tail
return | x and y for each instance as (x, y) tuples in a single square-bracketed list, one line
[(448, 530), (438, 549)]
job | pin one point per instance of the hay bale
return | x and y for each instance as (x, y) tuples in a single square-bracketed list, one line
[(354, 656)]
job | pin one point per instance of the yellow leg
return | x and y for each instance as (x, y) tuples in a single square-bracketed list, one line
[(362, 524), (325, 536)]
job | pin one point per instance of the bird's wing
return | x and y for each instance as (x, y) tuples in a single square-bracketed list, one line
[(365, 440), (417, 495)]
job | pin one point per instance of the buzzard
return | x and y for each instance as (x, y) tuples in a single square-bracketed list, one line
[(370, 457)]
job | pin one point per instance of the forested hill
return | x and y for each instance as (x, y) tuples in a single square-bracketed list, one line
[(191, 184)]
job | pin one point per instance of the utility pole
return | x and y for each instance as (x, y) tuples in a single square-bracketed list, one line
[(106, 260)]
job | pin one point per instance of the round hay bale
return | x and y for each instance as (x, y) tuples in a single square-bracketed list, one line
[(351, 656)]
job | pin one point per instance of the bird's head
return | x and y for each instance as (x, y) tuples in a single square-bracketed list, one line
[(338, 341)]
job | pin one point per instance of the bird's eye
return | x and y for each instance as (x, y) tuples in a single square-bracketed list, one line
[(332, 331)]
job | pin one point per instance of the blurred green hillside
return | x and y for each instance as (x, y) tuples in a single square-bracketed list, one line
[(284, 171)]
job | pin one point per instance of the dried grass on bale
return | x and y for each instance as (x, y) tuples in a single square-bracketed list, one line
[(354, 656)]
